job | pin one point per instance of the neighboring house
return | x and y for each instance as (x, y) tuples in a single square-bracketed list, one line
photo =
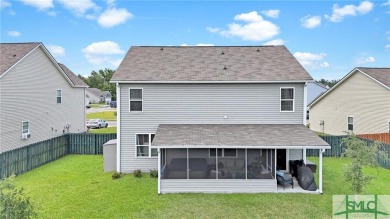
[(39, 98), (358, 103), (96, 95), (183, 110), (314, 90)]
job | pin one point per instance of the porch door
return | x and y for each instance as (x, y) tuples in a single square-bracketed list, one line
[(281, 159)]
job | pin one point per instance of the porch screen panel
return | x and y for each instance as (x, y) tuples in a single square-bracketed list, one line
[(201, 165), (176, 163), (231, 165), (258, 163)]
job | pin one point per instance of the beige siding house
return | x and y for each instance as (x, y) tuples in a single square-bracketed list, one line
[(359, 103), (39, 98)]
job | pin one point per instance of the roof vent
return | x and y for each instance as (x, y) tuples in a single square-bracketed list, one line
[(258, 50), (224, 68), (161, 49), (14, 55), (222, 53)]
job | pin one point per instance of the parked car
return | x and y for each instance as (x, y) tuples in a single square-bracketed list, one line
[(113, 104), (97, 123)]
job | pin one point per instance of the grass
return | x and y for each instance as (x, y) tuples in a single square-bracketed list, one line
[(76, 187), (106, 115), (104, 130), (97, 105)]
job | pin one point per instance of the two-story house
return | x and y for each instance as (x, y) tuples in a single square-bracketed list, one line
[(39, 98), (212, 119), (358, 103)]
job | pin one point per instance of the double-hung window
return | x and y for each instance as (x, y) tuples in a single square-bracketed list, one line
[(350, 123), (223, 152), (136, 100), (25, 127), (287, 99), (143, 145), (59, 96)]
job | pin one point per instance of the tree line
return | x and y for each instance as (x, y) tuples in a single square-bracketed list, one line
[(101, 80)]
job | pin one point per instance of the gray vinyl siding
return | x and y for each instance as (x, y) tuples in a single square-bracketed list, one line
[(28, 93), (217, 186), (199, 104), (295, 154)]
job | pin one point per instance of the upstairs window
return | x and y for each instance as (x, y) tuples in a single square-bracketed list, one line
[(143, 145), (135, 100), (350, 123), (59, 96), (25, 127), (287, 99)]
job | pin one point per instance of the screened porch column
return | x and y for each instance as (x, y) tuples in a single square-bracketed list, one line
[(320, 169), (159, 170)]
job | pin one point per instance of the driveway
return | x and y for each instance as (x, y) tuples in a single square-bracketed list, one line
[(111, 123)]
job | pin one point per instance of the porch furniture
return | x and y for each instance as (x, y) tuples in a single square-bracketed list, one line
[(177, 169), (284, 180), (311, 165)]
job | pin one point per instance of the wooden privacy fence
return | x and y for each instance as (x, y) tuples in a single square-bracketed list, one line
[(383, 137), (26, 158), (338, 148)]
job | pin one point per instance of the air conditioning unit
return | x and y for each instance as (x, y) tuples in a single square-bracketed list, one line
[(26, 135)]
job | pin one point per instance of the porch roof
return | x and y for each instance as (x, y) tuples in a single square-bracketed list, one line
[(236, 136)]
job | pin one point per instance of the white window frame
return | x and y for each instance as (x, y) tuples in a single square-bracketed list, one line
[(150, 144), (28, 129), (353, 121), (142, 100), (388, 124), (280, 100), (59, 96), (223, 153)]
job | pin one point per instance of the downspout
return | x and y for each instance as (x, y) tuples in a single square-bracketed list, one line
[(159, 171), (118, 128), (304, 116)]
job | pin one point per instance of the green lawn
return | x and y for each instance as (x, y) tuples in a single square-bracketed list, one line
[(103, 130), (106, 115), (97, 105), (76, 187)]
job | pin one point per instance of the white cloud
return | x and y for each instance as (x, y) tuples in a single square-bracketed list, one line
[(338, 13), (273, 13), (13, 33), (275, 42), (4, 4), (310, 21), (365, 60), (56, 51), (99, 53), (110, 3), (387, 46), (252, 28), (311, 60), (39, 4), (52, 13), (113, 17), (213, 29), (79, 7)]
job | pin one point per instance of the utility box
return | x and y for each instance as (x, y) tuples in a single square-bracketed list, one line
[(109, 155)]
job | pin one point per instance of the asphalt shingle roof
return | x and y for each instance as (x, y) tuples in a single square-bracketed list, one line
[(193, 135), (10, 53), (75, 80), (210, 63), (380, 74)]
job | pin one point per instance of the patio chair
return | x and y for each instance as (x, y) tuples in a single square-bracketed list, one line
[(284, 180)]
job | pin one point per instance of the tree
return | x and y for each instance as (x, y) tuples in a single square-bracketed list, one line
[(329, 83), (362, 155), (13, 202), (101, 80)]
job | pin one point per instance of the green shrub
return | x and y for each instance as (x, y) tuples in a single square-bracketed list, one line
[(13, 202), (115, 113), (153, 173), (116, 175), (137, 173)]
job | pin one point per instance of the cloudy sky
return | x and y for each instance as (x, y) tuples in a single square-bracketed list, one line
[(329, 38)]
